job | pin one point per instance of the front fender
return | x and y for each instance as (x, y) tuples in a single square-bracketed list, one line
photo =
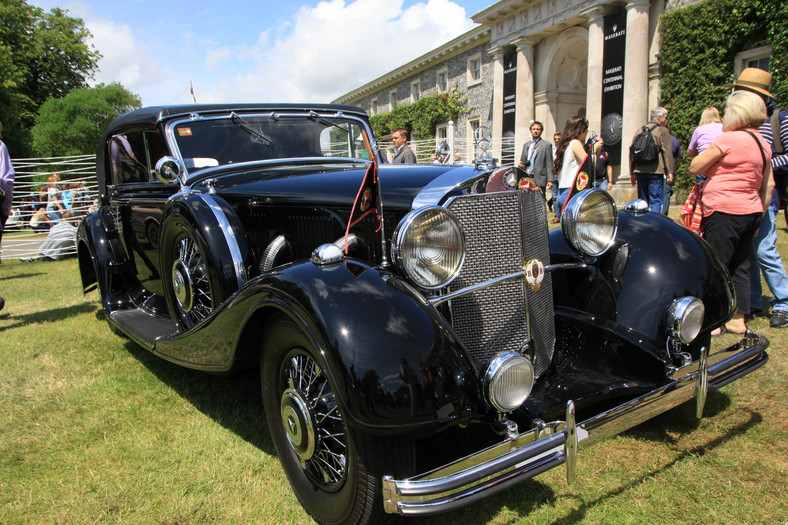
[(395, 363), (653, 262), (393, 357)]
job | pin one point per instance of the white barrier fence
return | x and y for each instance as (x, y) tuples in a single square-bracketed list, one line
[(76, 191)]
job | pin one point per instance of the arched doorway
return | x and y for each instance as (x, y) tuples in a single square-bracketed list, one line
[(561, 82)]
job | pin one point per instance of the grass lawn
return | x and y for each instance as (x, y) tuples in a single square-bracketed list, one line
[(94, 429)]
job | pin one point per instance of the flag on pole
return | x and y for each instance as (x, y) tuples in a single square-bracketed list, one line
[(191, 90), (582, 180), (367, 201)]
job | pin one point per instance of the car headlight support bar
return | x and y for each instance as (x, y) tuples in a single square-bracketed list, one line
[(435, 300)]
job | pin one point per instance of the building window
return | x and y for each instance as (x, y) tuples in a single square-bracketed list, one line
[(755, 57), (474, 70), (473, 125), (415, 91), (373, 107), (393, 98), (443, 80)]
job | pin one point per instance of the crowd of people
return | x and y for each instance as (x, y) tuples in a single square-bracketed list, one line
[(43, 209)]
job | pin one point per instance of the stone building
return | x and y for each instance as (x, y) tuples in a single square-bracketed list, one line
[(464, 64), (543, 60)]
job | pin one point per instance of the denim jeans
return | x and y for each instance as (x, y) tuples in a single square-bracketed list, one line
[(601, 184), (563, 193), (667, 191), (650, 190), (767, 258)]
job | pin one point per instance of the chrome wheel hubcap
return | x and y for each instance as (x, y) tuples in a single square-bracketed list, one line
[(298, 425), (182, 285)]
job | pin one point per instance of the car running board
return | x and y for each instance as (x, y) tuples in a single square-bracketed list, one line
[(142, 326)]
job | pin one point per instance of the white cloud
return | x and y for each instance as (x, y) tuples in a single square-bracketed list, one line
[(123, 59), (216, 56), (337, 46), (320, 53)]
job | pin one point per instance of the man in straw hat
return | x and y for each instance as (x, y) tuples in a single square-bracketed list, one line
[(764, 245)]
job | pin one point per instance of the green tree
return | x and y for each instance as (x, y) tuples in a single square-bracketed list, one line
[(73, 125), (42, 55)]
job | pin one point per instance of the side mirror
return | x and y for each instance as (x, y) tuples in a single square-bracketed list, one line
[(169, 170)]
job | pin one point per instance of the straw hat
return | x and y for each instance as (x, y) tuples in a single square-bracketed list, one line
[(754, 79)]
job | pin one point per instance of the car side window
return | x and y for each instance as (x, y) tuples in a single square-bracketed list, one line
[(155, 148), (127, 158), (133, 156)]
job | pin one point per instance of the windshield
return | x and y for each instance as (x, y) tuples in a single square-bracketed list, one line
[(236, 138)]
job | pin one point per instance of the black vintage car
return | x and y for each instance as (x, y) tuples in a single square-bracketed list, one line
[(423, 340)]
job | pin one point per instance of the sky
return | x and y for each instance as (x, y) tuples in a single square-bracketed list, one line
[(264, 50)]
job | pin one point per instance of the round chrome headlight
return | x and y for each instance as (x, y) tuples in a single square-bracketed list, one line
[(590, 222), (429, 247), (508, 381), (685, 318)]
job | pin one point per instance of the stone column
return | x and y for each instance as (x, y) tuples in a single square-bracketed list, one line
[(635, 78), (497, 117), (525, 93), (594, 74)]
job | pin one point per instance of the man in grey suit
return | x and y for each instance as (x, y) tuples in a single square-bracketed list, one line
[(537, 158), (402, 152)]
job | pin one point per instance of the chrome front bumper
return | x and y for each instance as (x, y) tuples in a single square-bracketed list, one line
[(524, 455)]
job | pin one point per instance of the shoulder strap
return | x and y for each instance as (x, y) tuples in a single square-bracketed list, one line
[(760, 148), (776, 139)]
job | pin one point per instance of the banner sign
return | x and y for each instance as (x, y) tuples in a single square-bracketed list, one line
[(509, 103), (614, 51)]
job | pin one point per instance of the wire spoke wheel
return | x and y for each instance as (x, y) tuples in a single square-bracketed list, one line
[(190, 281), (312, 422), (335, 471)]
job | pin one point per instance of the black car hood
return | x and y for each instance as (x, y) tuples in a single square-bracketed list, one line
[(304, 186)]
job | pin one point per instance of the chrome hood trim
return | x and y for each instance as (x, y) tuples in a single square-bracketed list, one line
[(449, 184)]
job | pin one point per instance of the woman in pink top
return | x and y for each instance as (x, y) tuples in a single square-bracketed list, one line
[(709, 128), (737, 191)]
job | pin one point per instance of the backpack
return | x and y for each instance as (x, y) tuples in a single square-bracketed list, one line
[(643, 148)]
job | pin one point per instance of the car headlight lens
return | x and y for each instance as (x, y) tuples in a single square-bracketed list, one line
[(508, 381), (590, 222), (429, 247), (685, 318)]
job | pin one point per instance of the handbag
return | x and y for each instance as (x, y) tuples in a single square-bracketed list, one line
[(692, 211)]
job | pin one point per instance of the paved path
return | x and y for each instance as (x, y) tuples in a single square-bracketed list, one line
[(21, 244)]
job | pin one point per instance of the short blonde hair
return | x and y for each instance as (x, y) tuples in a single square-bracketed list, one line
[(709, 115), (743, 109)]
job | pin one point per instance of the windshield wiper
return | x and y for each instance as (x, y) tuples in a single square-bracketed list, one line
[(242, 123), (323, 120)]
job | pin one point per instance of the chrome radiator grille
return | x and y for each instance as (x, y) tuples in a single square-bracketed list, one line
[(503, 231)]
